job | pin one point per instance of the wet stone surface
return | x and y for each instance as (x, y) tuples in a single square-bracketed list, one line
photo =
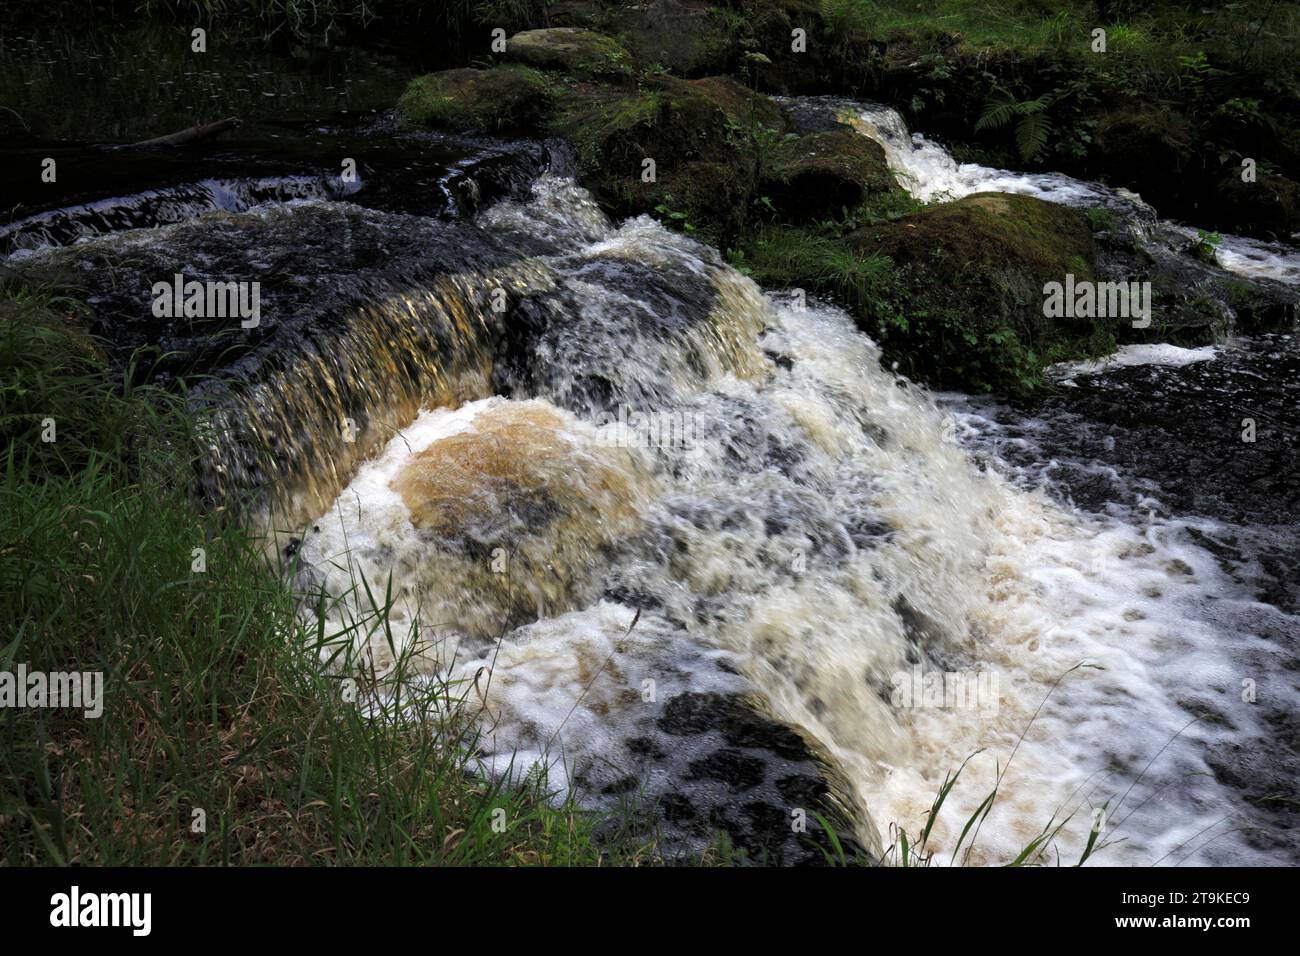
[(728, 769)]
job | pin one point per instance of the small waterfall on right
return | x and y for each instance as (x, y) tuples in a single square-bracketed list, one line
[(929, 172)]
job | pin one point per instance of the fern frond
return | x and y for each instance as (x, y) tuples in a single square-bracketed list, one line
[(1029, 107), (996, 115), (1031, 135)]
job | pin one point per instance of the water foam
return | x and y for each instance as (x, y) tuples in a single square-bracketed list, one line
[(828, 529)]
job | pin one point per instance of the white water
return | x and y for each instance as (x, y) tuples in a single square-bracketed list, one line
[(817, 496), (930, 173), (156, 207), (1158, 353)]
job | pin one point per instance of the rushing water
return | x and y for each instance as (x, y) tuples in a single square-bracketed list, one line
[(652, 515), (826, 528)]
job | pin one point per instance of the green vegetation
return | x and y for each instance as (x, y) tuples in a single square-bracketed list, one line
[(570, 49), (1206, 244), (1188, 90), (501, 98), (1100, 219), (320, 19), (215, 697), (1032, 124), (952, 291)]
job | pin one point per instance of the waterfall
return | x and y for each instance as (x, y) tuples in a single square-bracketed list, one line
[(617, 487)]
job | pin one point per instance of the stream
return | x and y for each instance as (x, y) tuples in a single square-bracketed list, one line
[(693, 544)]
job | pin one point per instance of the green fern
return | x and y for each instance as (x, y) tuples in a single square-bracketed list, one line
[(1033, 125)]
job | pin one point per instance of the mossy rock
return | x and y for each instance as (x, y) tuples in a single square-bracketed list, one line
[(967, 296), (694, 131), (570, 49), (470, 100), (688, 40), (818, 175), (668, 119), (771, 25), (714, 104)]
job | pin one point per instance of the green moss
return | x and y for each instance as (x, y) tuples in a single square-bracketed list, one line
[(501, 98), (610, 129), (705, 165), (822, 174), (571, 50), (970, 281), (1100, 219)]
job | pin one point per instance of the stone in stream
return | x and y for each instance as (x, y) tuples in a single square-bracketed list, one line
[(821, 174), (570, 49), (512, 516), (472, 100), (741, 773)]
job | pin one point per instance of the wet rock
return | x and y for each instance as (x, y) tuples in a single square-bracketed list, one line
[(364, 317), (969, 278), (732, 767), (741, 774), (736, 722), (1194, 300), (823, 173), (1179, 429), (492, 100), (518, 482)]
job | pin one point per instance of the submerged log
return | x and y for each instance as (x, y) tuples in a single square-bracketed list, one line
[(195, 134)]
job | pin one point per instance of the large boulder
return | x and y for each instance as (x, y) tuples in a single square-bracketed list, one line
[(569, 49), (688, 40), (966, 304), (823, 173), (498, 99), (516, 511), (700, 135)]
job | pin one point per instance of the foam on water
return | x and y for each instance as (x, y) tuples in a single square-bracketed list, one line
[(1159, 353), (825, 530)]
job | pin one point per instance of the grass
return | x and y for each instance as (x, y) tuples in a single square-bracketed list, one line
[(916, 851), (791, 256), (223, 739)]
